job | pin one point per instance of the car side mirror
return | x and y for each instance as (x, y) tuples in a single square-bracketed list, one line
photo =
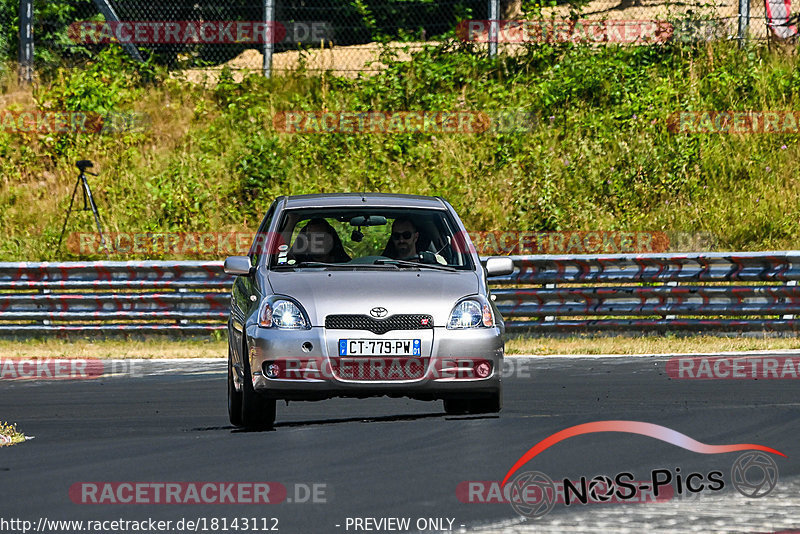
[(237, 265), (499, 266)]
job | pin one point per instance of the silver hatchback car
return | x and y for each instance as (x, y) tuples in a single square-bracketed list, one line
[(362, 295)]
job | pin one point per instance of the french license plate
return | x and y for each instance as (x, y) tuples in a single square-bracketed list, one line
[(380, 347)]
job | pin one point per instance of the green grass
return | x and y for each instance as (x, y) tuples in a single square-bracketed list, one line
[(601, 158)]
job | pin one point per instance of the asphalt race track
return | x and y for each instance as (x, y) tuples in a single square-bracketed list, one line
[(395, 458)]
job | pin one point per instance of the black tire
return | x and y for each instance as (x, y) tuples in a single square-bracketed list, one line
[(234, 397), (456, 406), (258, 412), (490, 404)]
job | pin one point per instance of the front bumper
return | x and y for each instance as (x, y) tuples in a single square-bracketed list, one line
[(304, 365)]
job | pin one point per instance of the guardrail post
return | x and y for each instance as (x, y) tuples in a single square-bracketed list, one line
[(183, 290), (670, 317), (45, 322), (550, 317), (790, 283)]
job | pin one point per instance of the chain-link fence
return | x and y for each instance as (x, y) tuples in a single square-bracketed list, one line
[(349, 35)]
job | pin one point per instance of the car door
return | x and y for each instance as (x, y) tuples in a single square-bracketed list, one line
[(245, 294)]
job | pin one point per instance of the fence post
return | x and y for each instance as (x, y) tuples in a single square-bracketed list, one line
[(25, 42), (269, 20), (494, 15), (790, 283), (105, 9), (744, 20)]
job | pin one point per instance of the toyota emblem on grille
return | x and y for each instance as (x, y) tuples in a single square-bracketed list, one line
[(378, 312)]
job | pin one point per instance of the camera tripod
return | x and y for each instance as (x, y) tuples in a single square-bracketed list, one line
[(88, 202)]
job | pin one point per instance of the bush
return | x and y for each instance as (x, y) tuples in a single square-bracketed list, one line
[(599, 158)]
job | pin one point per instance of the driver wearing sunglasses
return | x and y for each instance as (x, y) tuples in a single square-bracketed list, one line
[(403, 241)]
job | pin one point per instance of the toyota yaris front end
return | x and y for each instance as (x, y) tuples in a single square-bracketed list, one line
[(362, 295)]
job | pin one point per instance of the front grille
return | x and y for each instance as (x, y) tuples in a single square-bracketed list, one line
[(413, 321)]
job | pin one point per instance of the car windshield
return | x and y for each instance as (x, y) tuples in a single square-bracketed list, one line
[(391, 239)]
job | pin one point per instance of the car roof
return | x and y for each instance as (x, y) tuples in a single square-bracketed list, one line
[(351, 200)]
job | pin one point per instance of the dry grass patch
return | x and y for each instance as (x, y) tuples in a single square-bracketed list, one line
[(646, 345), (9, 435), (166, 348), (113, 349), (350, 61)]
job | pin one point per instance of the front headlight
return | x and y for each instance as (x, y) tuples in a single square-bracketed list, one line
[(283, 314), (471, 314)]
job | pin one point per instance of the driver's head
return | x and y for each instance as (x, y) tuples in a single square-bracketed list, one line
[(319, 238), (404, 237)]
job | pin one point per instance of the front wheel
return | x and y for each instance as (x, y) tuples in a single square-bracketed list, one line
[(456, 406), (490, 404), (257, 410)]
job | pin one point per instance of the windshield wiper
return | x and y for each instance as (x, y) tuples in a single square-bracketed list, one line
[(307, 264), (324, 264), (406, 263)]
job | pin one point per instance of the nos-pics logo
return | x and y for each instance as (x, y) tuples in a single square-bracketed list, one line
[(533, 494)]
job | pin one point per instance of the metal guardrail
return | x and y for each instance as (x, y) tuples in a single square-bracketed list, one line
[(547, 294), (702, 292), (188, 297)]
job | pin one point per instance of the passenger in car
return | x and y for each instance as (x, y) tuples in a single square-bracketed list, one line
[(403, 241), (318, 241)]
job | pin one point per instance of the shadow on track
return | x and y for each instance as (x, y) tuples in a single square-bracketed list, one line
[(317, 422)]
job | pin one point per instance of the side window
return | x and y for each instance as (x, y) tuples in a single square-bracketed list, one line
[(261, 237)]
